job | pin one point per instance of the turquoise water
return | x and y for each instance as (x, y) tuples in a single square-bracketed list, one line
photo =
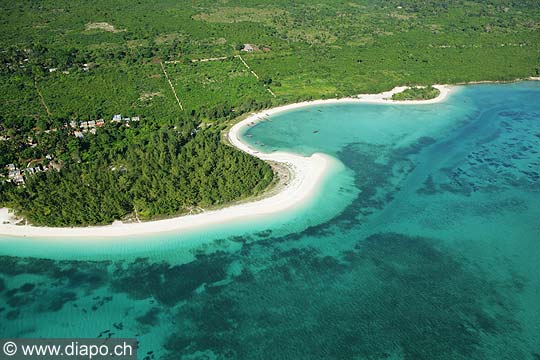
[(423, 243)]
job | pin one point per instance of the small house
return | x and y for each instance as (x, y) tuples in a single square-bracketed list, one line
[(248, 48), (18, 180), (14, 173)]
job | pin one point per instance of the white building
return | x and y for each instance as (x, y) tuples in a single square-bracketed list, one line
[(248, 48)]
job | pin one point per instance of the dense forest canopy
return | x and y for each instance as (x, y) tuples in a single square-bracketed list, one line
[(184, 70)]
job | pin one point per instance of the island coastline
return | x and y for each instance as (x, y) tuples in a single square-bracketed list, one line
[(307, 174)]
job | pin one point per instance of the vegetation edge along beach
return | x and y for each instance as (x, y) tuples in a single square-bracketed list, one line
[(306, 174), (117, 115)]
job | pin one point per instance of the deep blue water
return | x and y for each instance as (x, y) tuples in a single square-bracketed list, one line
[(424, 243)]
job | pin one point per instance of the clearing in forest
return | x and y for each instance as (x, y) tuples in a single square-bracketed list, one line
[(239, 14), (105, 26)]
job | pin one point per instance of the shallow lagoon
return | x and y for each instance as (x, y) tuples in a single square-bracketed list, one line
[(424, 245)]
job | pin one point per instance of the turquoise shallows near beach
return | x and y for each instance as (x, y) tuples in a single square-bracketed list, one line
[(422, 243)]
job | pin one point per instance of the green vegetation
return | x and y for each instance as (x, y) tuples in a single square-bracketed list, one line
[(71, 61), (158, 172), (218, 89), (417, 93)]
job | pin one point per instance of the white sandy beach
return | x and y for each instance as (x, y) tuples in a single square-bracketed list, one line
[(307, 173)]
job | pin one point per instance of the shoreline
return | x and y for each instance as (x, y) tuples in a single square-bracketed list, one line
[(307, 174)]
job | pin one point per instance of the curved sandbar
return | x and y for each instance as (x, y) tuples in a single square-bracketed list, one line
[(307, 174)]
